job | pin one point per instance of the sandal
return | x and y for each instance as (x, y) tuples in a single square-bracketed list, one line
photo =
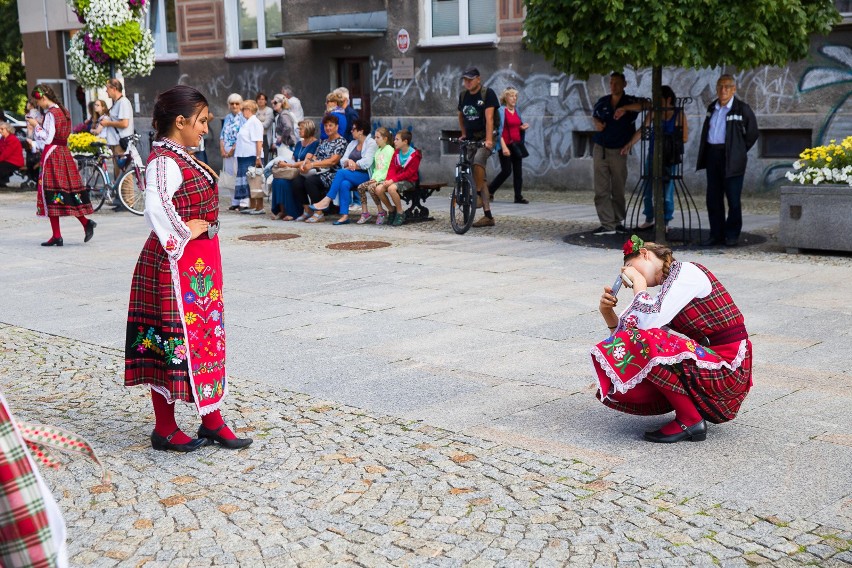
[(287, 218), (364, 218), (380, 218), (302, 217), (317, 217)]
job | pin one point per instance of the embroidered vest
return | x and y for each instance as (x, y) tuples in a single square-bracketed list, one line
[(197, 197)]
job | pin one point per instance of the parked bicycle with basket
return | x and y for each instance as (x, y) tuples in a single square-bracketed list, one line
[(463, 197), (129, 188)]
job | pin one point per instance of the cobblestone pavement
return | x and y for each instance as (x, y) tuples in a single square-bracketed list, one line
[(328, 484)]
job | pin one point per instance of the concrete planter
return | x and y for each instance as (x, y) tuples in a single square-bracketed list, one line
[(816, 217)]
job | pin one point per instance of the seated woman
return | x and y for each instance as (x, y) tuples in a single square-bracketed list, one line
[(402, 175), (283, 203), (334, 106), (317, 170), (356, 165), (381, 163), (673, 125), (685, 349)]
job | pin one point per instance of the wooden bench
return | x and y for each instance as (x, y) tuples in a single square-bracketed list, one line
[(416, 199)]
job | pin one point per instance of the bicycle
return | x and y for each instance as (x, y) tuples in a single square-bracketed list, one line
[(463, 197), (129, 188)]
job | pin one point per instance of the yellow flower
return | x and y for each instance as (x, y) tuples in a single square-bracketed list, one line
[(214, 294), (190, 317), (147, 343)]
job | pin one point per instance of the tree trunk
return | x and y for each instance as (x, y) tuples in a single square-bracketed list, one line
[(657, 163)]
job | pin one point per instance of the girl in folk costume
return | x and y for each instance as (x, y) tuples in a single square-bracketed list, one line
[(685, 349), (175, 324), (60, 190)]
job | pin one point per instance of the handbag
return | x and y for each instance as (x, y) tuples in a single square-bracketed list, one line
[(672, 148), (254, 177), (518, 150), (279, 172)]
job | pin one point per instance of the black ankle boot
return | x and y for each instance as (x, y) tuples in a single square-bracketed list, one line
[(53, 242)]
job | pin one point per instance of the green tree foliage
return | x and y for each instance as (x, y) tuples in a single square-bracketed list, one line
[(598, 36), (13, 94)]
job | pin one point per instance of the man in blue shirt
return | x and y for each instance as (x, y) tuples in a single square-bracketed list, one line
[(730, 130), (610, 166)]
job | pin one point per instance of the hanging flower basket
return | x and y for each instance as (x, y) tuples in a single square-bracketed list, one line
[(113, 37)]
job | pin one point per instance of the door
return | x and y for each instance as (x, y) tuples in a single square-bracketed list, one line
[(354, 75)]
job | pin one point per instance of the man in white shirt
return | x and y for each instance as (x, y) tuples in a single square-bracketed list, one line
[(119, 121), (295, 104)]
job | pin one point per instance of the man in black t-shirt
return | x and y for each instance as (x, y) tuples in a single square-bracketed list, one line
[(477, 121)]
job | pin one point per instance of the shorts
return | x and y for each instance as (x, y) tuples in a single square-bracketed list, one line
[(478, 156), (403, 186)]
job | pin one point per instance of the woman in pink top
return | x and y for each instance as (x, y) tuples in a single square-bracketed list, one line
[(512, 132)]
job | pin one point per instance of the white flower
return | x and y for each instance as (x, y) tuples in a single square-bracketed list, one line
[(107, 13), (88, 73), (141, 60)]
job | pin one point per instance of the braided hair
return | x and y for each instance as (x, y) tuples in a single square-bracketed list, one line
[(42, 91), (632, 247)]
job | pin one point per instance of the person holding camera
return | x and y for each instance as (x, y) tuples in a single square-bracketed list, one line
[(118, 122), (685, 349)]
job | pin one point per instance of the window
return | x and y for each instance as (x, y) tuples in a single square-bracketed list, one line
[(451, 22), (844, 7), (784, 143), (252, 25), (162, 19)]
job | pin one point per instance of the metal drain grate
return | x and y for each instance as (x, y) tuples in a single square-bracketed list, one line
[(269, 237), (358, 245)]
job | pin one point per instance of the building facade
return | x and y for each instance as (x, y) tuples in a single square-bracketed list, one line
[(402, 61)]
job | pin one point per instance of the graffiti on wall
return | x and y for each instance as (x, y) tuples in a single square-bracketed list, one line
[(247, 82), (560, 126)]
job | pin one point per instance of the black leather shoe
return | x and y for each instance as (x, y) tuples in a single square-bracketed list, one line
[(164, 443), (90, 231), (213, 436), (233, 207), (52, 242), (695, 433), (522, 201), (712, 243), (731, 242)]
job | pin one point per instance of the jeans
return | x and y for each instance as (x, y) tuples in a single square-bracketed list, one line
[(342, 185), (668, 193)]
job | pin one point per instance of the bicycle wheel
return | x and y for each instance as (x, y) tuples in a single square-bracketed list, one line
[(95, 181), (462, 204), (130, 193)]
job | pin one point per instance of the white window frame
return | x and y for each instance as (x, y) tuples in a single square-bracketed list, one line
[(464, 25), (161, 41), (232, 25)]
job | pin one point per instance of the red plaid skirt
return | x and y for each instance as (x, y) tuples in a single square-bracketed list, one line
[(154, 321), (717, 379), (60, 188)]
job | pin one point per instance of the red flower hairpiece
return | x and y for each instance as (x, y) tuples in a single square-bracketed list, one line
[(632, 245)]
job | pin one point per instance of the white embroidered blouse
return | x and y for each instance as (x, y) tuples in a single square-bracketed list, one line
[(44, 132), (163, 179), (685, 282)]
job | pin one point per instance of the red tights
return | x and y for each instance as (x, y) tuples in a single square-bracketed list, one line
[(164, 415), (54, 226), (647, 392)]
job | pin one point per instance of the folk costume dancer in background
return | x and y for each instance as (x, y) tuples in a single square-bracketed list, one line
[(685, 349), (60, 189), (175, 324)]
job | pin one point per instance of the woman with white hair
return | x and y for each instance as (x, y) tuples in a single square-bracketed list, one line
[(228, 140)]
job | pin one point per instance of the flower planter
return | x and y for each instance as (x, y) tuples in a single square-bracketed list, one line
[(816, 217)]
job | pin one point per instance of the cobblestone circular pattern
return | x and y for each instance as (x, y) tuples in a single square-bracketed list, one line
[(358, 245), (270, 237)]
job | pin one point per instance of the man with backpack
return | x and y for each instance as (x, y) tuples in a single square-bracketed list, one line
[(478, 120)]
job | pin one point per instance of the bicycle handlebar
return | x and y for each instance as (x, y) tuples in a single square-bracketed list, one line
[(464, 142)]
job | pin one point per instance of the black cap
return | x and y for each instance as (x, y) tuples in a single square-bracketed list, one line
[(470, 73)]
